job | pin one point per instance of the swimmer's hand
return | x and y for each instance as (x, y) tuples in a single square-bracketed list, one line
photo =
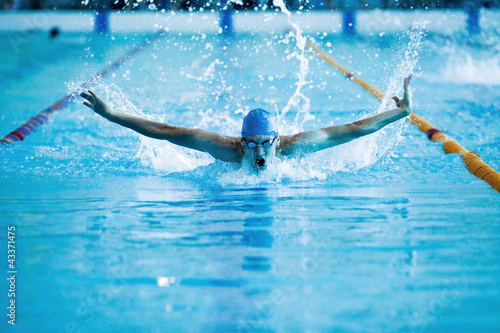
[(97, 104), (405, 104)]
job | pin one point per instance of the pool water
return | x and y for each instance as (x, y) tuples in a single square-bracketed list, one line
[(120, 232)]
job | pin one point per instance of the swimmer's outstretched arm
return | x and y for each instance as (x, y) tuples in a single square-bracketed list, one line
[(221, 147), (312, 141)]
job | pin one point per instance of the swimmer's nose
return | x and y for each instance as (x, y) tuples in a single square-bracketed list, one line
[(259, 150)]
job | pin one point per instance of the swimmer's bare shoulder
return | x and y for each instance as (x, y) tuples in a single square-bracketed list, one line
[(222, 147)]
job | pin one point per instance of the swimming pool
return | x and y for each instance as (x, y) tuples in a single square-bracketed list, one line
[(124, 233)]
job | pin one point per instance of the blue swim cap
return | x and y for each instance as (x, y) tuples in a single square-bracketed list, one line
[(258, 122)]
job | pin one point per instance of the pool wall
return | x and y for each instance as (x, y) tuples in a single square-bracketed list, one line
[(373, 21)]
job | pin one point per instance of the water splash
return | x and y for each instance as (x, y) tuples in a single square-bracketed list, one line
[(159, 155), (208, 73), (298, 99), (212, 84), (165, 157), (168, 159), (408, 59), (391, 136)]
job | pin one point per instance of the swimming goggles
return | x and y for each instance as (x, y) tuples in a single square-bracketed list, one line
[(265, 144)]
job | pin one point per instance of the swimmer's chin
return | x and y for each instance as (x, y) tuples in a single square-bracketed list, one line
[(260, 169)]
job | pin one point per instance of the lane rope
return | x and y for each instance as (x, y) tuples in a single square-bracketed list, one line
[(474, 163), (31, 125)]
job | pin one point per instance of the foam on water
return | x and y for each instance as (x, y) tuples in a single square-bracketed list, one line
[(462, 67), (168, 158)]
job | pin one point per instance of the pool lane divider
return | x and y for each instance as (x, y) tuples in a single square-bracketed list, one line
[(344, 71), (31, 125), (474, 163)]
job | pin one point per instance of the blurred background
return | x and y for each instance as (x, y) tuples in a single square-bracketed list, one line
[(244, 4)]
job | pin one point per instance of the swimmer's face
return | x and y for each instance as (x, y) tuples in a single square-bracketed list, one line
[(260, 150)]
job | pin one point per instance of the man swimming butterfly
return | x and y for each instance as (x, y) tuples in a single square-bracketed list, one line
[(259, 142)]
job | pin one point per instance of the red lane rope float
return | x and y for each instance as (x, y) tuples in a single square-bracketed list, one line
[(31, 125), (474, 163)]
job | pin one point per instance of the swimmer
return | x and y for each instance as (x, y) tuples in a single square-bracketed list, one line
[(260, 142)]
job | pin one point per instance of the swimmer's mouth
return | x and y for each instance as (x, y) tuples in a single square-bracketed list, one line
[(260, 163)]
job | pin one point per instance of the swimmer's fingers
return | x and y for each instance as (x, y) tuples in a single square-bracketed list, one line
[(88, 104), (408, 80), (397, 100), (95, 103), (88, 97), (407, 88), (89, 100), (96, 98), (407, 94)]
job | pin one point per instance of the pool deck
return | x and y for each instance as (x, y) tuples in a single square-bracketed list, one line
[(369, 21)]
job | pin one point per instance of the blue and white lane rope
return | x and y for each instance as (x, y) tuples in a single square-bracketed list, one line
[(31, 125)]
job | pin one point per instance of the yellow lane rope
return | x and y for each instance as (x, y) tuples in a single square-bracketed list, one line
[(474, 163), (374, 91)]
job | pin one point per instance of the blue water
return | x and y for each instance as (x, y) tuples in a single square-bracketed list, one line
[(123, 233)]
